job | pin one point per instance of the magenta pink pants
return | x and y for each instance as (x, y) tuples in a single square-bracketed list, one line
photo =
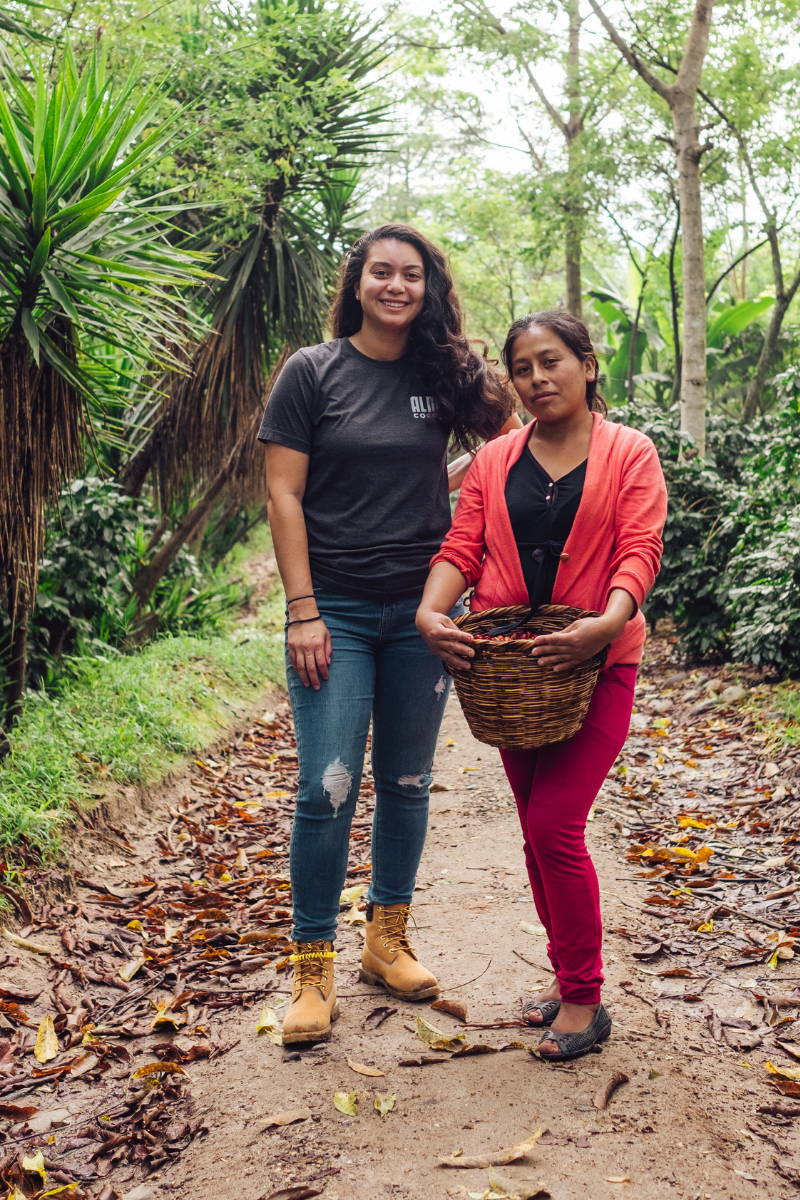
[(554, 788)]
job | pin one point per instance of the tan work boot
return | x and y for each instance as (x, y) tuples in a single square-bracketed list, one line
[(388, 958), (314, 1004)]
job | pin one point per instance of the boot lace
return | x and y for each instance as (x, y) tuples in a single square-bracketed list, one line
[(310, 963), (394, 932)]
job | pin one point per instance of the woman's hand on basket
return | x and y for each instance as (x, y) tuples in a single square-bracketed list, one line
[(573, 645), (452, 645), (309, 647)]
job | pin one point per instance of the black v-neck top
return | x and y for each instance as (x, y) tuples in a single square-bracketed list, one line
[(542, 511)]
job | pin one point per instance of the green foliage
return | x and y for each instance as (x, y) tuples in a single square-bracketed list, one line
[(731, 572), (75, 244), (639, 352), (128, 719), (96, 541)]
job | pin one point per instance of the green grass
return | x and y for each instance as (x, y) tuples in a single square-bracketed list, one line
[(788, 701), (128, 719)]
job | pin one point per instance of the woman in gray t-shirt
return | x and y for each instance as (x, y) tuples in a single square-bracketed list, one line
[(357, 432)]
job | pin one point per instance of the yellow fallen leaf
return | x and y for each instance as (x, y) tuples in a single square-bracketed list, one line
[(466, 770), (46, 1047), (385, 1104), (153, 1069), (15, 1194), (692, 822), (35, 1164), (137, 927), (706, 927), (132, 968), (166, 1019), (25, 944), (226, 877), (361, 1069), (268, 1023), (498, 1158), (784, 1072), (59, 1191), (346, 1102), (437, 1039), (449, 742), (617, 1179), (353, 894)]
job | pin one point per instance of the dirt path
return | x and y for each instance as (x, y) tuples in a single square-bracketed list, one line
[(698, 1009)]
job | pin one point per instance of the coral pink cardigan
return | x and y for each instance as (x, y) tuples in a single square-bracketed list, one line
[(615, 541)]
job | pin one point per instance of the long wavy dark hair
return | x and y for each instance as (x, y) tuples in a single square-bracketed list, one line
[(574, 334), (473, 400)]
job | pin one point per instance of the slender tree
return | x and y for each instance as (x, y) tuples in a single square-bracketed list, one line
[(529, 49), (681, 98)]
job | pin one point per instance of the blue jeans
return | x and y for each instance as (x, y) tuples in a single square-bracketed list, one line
[(381, 668)]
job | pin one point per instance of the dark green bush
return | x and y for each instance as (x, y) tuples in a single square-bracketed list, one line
[(730, 577), (96, 541)]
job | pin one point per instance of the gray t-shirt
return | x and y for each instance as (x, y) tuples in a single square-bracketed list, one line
[(376, 501)]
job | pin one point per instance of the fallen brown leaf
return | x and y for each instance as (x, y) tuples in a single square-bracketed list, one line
[(604, 1093), (361, 1069), (378, 1016), (499, 1158), (14, 1112), (421, 1060), (456, 1008)]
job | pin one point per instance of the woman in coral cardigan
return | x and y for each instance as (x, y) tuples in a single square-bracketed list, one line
[(567, 510)]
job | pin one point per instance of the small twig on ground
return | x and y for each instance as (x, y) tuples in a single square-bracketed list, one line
[(468, 981), (528, 961)]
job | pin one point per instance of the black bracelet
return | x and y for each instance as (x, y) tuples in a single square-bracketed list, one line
[(303, 620), (310, 596)]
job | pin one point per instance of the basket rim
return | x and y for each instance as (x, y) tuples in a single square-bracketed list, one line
[(510, 612)]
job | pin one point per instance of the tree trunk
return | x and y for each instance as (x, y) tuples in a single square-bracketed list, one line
[(675, 312), (756, 386), (150, 575), (783, 298), (681, 97), (573, 232), (693, 365), (633, 346), (17, 667)]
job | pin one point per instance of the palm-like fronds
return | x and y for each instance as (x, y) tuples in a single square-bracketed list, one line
[(11, 21), (82, 266), (317, 132)]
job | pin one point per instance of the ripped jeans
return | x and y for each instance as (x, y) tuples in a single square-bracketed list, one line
[(382, 669)]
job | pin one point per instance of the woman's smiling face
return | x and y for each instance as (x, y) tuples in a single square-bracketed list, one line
[(391, 290), (548, 377)]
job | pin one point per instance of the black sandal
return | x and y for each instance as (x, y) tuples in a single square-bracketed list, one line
[(549, 1010), (573, 1045)]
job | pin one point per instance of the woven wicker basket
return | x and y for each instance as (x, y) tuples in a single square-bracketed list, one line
[(508, 698)]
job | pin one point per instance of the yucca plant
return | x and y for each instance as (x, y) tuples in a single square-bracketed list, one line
[(12, 22), (85, 264), (304, 118)]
